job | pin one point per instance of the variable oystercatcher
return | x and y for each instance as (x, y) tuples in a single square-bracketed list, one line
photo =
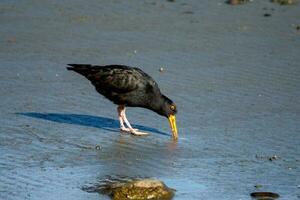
[(129, 86)]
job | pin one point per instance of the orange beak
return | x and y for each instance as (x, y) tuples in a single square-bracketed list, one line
[(172, 120)]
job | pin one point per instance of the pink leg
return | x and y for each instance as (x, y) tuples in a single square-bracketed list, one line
[(123, 119), (120, 113)]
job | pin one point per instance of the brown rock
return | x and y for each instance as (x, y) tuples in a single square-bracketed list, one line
[(284, 2), (237, 2), (150, 189)]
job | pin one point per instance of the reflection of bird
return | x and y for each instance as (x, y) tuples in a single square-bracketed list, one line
[(128, 86)]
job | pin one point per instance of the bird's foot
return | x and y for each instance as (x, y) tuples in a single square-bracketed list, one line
[(128, 130), (133, 131), (138, 133)]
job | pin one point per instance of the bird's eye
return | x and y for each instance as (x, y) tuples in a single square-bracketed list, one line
[(172, 107)]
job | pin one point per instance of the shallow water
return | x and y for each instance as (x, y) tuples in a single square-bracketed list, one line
[(233, 74)]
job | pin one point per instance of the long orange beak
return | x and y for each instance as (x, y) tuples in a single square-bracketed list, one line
[(172, 120)]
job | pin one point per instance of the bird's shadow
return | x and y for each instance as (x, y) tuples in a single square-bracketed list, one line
[(87, 120)]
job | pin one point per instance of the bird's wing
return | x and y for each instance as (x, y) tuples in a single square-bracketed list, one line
[(118, 79), (115, 78)]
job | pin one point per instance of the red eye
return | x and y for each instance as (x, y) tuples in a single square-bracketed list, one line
[(172, 107)]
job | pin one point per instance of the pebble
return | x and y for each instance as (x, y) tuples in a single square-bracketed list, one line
[(284, 2), (273, 158), (237, 2), (98, 147), (265, 195), (161, 69), (12, 40), (188, 12), (267, 15)]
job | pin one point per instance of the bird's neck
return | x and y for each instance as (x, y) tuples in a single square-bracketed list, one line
[(157, 104)]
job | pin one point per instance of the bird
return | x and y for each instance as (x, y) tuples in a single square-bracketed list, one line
[(129, 86)]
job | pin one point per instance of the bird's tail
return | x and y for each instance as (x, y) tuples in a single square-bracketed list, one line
[(75, 67), (83, 69)]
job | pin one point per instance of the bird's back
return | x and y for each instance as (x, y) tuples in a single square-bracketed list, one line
[(119, 82)]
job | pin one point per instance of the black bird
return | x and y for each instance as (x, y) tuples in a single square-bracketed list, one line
[(129, 86)]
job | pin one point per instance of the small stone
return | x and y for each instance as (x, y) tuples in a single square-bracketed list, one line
[(298, 27), (98, 147), (161, 69), (188, 12), (284, 2), (237, 2), (267, 15), (273, 158), (135, 51), (12, 40), (244, 28), (264, 195)]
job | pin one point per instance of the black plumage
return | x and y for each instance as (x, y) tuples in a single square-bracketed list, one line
[(127, 86)]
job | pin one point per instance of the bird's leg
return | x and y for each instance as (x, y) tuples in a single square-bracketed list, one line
[(123, 119), (120, 113), (132, 130)]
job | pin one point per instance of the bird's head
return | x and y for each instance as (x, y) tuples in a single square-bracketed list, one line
[(169, 110)]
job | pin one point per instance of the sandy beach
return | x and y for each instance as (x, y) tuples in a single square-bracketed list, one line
[(233, 72)]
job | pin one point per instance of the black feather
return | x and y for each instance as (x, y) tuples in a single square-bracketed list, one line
[(126, 85)]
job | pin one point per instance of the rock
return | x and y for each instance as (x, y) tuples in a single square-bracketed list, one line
[(98, 147), (188, 12), (273, 158), (12, 40), (264, 195), (161, 69), (123, 188), (151, 189), (237, 2), (267, 15), (284, 2)]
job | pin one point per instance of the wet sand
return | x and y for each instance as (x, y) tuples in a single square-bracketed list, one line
[(233, 73)]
